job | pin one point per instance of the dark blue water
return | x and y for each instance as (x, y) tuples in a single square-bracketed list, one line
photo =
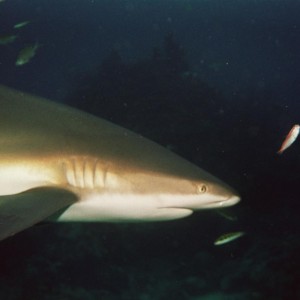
[(217, 82)]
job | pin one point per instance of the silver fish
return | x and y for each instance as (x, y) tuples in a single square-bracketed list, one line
[(7, 39), (21, 24), (228, 237), (26, 54)]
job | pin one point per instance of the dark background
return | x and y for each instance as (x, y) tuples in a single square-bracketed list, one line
[(215, 81)]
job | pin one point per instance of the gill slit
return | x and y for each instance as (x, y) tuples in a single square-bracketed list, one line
[(94, 172)]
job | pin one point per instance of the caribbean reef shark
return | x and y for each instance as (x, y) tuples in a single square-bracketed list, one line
[(61, 164)]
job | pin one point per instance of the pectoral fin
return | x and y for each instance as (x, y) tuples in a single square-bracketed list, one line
[(20, 211)]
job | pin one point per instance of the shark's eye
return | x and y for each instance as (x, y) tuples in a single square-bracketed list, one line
[(201, 189)]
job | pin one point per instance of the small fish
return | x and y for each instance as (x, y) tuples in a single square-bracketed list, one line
[(228, 237), (7, 39), (290, 138), (21, 24), (226, 214), (26, 54)]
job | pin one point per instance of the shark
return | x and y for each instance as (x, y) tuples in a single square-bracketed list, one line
[(61, 164)]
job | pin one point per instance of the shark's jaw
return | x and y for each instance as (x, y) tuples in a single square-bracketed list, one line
[(138, 208)]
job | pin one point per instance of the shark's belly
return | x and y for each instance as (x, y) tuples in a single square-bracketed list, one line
[(121, 207)]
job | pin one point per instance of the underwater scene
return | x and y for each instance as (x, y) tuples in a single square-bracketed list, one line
[(149, 149)]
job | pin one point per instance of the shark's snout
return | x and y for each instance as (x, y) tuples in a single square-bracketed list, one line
[(234, 199), (221, 203)]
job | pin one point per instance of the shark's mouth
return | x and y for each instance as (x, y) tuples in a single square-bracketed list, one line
[(221, 203), (209, 204)]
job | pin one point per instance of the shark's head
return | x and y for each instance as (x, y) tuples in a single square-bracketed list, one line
[(157, 186), (165, 196), (207, 192)]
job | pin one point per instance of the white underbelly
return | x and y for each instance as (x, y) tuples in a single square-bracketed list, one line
[(120, 208)]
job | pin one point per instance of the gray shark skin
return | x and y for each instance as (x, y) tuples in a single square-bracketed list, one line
[(61, 164)]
